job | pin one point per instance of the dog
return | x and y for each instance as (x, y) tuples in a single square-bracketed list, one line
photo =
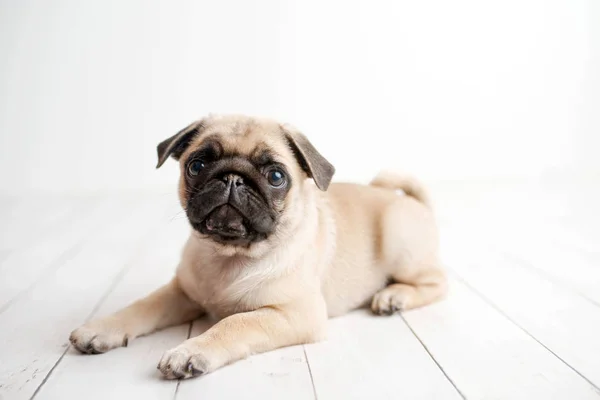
[(275, 248)]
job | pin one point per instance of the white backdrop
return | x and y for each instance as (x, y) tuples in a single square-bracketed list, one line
[(444, 89)]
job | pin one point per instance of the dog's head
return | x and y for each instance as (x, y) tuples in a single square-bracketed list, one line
[(241, 176)]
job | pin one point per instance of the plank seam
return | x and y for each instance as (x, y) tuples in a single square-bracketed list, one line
[(433, 358), (526, 264), (63, 258), (128, 265), (189, 334), (90, 316), (501, 312), (50, 373), (51, 268), (78, 211), (50, 227), (312, 381)]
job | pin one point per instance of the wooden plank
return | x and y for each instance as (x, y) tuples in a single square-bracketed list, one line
[(367, 356), (567, 215), (487, 356), (582, 232), (32, 219), (538, 250), (8, 204), (128, 372), (279, 374), (36, 327), (22, 268), (561, 320), (16, 212)]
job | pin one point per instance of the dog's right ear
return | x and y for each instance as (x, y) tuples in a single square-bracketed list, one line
[(176, 144)]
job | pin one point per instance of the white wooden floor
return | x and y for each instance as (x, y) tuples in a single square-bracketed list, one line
[(522, 320)]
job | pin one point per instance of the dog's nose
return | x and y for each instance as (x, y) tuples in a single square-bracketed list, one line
[(234, 179)]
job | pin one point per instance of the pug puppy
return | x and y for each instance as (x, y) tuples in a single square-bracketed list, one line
[(274, 249)]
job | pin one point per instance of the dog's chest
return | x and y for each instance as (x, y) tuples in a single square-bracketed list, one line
[(222, 292)]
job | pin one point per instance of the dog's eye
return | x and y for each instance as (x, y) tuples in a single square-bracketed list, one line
[(275, 177), (195, 167)]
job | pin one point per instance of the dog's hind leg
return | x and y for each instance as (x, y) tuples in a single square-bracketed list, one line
[(409, 252)]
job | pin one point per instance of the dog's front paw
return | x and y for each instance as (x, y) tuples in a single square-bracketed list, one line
[(183, 362), (96, 338)]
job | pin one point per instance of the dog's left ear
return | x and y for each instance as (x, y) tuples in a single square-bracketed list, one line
[(311, 161), (176, 144)]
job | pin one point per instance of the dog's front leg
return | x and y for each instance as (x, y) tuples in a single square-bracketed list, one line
[(166, 306), (244, 334)]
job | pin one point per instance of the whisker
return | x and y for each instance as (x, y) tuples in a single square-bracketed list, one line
[(179, 214)]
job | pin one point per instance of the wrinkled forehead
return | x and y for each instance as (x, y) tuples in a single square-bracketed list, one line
[(244, 137)]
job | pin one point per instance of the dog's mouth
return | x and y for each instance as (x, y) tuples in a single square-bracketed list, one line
[(227, 225)]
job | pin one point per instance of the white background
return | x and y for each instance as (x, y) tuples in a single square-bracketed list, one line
[(448, 90)]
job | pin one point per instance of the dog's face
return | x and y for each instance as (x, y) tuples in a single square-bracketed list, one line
[(241, 177)]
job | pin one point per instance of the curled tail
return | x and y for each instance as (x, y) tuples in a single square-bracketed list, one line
[(408, 184)]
